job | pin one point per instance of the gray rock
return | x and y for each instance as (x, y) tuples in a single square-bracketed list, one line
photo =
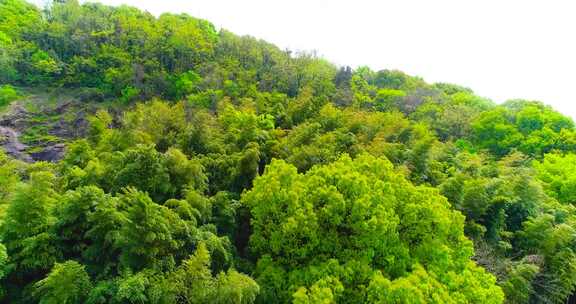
[(50, 153), (13, 146)]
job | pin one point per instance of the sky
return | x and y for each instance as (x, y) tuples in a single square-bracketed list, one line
[(502, 49)]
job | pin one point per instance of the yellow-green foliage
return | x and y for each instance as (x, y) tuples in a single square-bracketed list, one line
[(223, 169), (358, 223)]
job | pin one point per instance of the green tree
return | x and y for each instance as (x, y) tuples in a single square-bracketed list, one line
[(26, 228), (7, 95), (87, 221), (494, 131), (389, 99), (144, 168), (356, 217), (151, 235), (67, 282), (192, 282), (557, 173), (518, 287)]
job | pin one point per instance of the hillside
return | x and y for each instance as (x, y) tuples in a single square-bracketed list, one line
[(157, 160)]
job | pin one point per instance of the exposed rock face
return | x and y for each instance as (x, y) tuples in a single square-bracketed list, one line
[(9, 136), (15, 122), (51, 153), (36, 127), (12, 123), (15, 118), (13, 146)]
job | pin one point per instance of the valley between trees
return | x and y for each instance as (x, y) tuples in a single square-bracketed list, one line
[(157, 160)]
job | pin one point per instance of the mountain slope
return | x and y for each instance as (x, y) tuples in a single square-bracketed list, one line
[(204, 167)]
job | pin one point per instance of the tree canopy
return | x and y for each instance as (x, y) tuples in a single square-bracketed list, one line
[(217, 168)]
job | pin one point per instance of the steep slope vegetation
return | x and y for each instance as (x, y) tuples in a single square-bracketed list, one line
[(213, 168)]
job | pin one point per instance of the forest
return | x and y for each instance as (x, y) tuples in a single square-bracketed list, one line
[(217, 168)]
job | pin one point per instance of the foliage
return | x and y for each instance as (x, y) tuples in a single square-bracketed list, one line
[(67, 282), (356, 220), (557, 173), (7, 95), (529, 127), (218, 168)]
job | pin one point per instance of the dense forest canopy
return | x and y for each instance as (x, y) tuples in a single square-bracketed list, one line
[(217, 168)]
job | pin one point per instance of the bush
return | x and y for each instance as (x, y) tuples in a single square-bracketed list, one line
[(7, 94)]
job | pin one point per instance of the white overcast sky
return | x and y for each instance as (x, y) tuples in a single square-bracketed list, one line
[(502, 49)]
